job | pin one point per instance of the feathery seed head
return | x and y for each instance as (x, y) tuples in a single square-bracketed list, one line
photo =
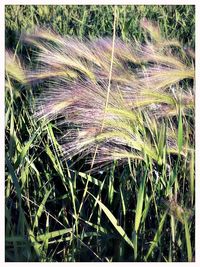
[(140, 93)]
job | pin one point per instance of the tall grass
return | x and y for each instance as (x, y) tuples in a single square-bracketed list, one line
[(137, 204), (115, 112)]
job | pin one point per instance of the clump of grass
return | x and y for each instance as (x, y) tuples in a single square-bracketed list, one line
[(145, 91), (140, 207)]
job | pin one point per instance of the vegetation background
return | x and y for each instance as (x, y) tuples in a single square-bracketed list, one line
[(43, 195)]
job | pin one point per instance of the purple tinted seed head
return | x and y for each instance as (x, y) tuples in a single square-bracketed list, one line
[(140, 95)]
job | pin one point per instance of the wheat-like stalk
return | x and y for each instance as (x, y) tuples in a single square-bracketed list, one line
[(145, 91)]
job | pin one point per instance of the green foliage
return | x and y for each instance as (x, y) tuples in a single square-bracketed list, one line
[(136, 210), (96, 21)]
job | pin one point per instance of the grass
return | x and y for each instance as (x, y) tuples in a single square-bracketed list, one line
[(139, 206)]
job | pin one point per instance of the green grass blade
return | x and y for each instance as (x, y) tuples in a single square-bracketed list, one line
[(114, 222), (35, 244), (90, 178), (140, 199), (14, 179), (41, 209), (156, 237), (138, 213), (192, 177), (188, 241), (25, 150), (180, 133), (54, 234), (122, 201)]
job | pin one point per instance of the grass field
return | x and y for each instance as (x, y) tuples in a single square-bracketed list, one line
[(128, 210)]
